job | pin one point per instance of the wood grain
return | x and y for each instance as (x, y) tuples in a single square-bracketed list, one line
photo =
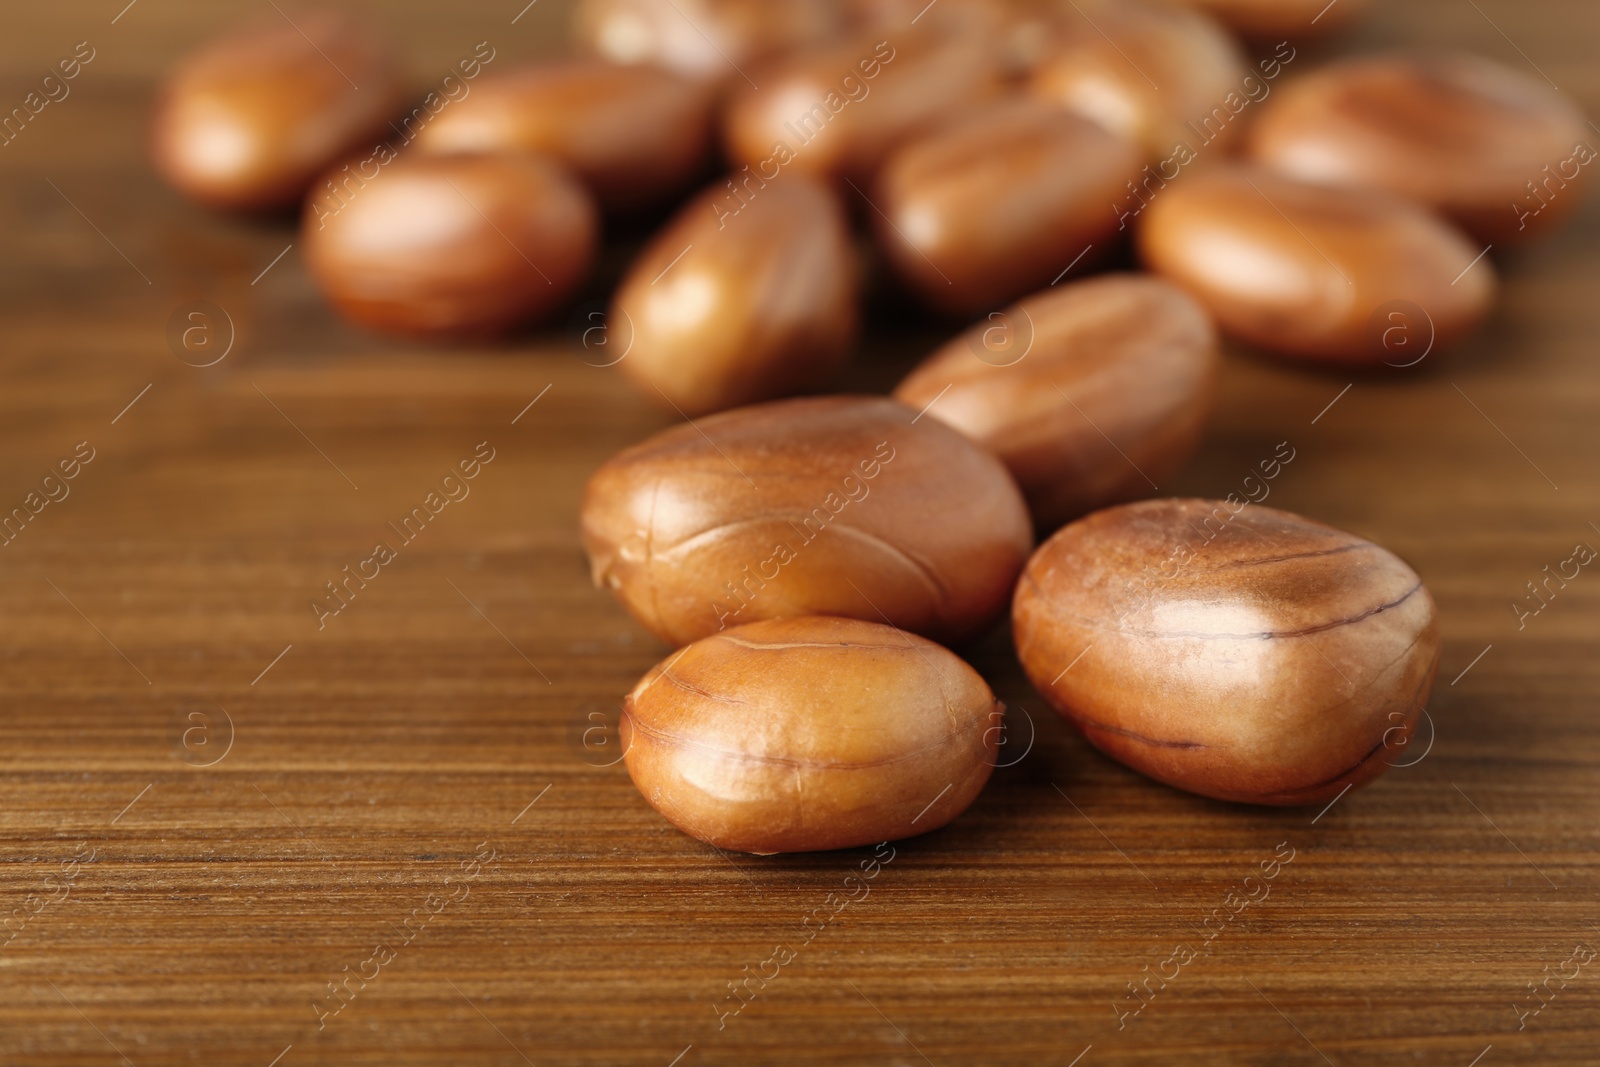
[(373, 759)]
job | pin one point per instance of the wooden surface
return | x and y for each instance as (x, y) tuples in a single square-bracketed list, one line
[(371, 760)]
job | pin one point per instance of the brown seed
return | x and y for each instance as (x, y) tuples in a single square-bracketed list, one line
[(1157, 75), (812, 733), (748, 294), (1318, 272), (1501, 152), (1233, 650), (845, 506), (1022, 31), (715, 40), (634, 134), (251, 118), (1092, 393), (451, 245), (842, 108), (1277, 19), (999, 202)]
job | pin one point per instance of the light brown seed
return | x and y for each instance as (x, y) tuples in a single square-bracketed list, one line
[(248, 120), (1233, 650), (451, 245), (634, 134), (1152, 73), (1501, 152), (999, 202), (848, 506), (1092, 393), (1021, 31), (1284, 19), (715, 40), (840, 109), (749, 293), (812, 733), (1322, 273)]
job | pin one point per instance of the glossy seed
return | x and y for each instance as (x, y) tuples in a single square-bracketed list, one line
[(1274, 20), (250, 119), (840, 109), (634, 134), (450, 246), (1317, 272), (812, 733), (714, 40), (1503, 153), (1230, 649), (1157, 75), (750, 293), (1000, 202), (848, 506), (1092, 392)]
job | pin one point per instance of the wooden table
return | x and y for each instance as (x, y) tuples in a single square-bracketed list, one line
[(211, 809)]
